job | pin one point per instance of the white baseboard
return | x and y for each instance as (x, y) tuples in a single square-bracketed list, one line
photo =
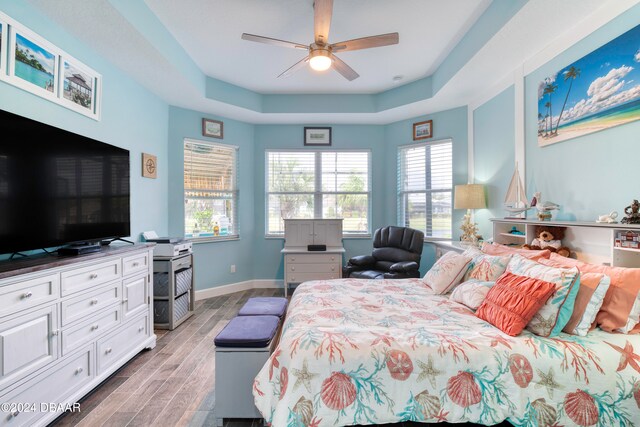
[(237, 287)]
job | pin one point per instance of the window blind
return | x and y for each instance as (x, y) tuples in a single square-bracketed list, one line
[(425, 187), (210, 190)]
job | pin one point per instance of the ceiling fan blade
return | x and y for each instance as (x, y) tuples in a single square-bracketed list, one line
[(275, 42), (366, 42), (322, 20), (295, 67), (341, 67)]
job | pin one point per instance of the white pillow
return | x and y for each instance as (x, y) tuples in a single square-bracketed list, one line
[(471, 293), (447, 272), (484, 267)]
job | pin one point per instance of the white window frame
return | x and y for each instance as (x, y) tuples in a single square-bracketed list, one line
[(235, 191), (402, 214), (317, 193)]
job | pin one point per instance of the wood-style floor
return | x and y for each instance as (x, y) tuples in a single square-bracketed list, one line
[(173, 384)]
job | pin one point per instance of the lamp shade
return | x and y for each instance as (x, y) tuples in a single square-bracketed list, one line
[(469, 196)]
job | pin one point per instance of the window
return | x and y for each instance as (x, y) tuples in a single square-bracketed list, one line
[(425, 188), (318, 184), (210, 190)]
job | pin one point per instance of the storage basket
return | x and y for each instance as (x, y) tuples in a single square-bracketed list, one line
[(161, 309), (182, 282)]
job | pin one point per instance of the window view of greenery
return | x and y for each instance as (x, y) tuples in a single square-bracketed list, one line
[(210, 191), (318, 184), (425, 188)]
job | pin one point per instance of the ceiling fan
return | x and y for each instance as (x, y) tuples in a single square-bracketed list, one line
[(321, 54)]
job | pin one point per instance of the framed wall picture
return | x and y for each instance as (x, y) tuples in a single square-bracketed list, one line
[(212, 128), (149, 166), (3, 48), (79, 87), (423, 130), (33, 65), (317, 136)]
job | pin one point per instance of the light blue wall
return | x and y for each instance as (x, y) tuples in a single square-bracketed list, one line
[(494, 154), (212, 261), (446, 124), (132, 118), (268, 260), (589, 175)]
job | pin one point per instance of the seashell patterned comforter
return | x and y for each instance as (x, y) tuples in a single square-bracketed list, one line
[(356, 351)]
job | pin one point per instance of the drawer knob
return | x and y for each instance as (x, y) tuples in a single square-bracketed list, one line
[(94, 327), (93, 276), (141, 328), (333, 258), (55, 332), (293, 269), (79, 371), (125, 300), (94, 301), (107, 351), (333, 269), (27, 295), (135, 264), (293, 259), (15, 413)]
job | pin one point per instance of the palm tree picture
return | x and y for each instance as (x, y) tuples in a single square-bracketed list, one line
[(599, 91)]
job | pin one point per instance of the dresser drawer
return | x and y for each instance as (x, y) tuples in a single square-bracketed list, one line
[(85, 305), (25, 294), (135, 264), (313, 268), (27, 343), (52, 386), (304, 277), (313, 258), (115, 346), (78, 335), (89, 277)]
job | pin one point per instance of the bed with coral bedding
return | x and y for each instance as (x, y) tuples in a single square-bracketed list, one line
[(356, 351)]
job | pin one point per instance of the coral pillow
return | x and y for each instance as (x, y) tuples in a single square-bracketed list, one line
[(498, 249), (447, 272), (556, 312), (484, 267), (619, 300), (513, 301), (471, 293)]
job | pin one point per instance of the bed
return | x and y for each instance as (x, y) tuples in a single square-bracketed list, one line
[(356, 351)]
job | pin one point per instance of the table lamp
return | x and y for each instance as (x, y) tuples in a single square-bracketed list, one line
[(469, 196)]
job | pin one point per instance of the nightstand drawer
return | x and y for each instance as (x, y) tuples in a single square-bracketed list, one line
[(313, 258), (313, 268), (305, 277)]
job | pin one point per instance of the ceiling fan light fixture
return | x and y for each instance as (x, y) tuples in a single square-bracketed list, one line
[(319, 60)]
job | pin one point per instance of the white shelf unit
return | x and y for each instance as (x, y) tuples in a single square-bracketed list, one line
[(591, 242)]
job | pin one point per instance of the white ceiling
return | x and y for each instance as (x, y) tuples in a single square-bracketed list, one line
[(209, 32)]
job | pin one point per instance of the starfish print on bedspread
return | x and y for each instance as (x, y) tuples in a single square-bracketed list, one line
[(627, 356), (548, 381), (428, 371), (303, 376)]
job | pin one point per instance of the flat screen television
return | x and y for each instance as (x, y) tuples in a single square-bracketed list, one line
[(58, 187)]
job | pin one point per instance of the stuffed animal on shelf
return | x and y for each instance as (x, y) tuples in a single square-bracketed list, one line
[(549, 238)]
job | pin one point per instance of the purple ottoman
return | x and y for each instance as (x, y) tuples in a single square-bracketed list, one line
[(261, 306), (248, 332)]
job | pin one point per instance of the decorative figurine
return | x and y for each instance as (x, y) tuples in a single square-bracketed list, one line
[(609, 219), (633, 214)]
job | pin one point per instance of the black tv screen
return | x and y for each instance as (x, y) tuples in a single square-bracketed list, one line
[(58, 187)]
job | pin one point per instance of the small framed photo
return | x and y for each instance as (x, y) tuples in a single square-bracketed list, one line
[(317, 136), (149, 166), (423, 130), (212, 128)]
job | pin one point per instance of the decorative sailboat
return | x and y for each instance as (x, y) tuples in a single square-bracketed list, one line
[(515, 201)]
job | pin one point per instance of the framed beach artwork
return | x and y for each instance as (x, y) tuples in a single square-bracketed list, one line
[(32, 64), (422, 130), (3, 48), (596, 92), (79, 86)]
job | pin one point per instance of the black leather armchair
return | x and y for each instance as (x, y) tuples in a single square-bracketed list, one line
[(396, 255)]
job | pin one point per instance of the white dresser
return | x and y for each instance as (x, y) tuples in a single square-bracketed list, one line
[(301, 264), (66, 324)]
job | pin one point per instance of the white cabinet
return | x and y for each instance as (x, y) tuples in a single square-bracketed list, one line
[(62, 317), (301, 264), (589, 241)]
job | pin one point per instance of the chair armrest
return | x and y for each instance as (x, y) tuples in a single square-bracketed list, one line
[(362, 260), (404, 266)]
